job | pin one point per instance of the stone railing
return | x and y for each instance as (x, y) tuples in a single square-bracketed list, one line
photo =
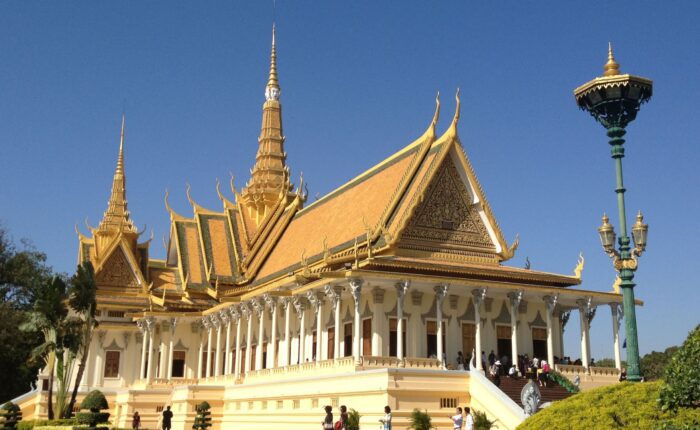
[(422, 363), (174, 381), (604, 371), (570, 369), (373, 362)]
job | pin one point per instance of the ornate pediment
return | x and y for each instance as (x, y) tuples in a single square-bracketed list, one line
[(446, 218), (117, 272)]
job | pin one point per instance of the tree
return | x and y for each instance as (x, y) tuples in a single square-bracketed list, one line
[(23, 271), (48, 312), (482, 421), (654, 364), (83, 302), (682, 378), (95, 402), (203, 419), (353, 420)]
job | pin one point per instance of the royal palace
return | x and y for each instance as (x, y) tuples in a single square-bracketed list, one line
[(271, 306)]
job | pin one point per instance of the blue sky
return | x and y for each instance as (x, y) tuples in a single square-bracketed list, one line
[(358, 83)]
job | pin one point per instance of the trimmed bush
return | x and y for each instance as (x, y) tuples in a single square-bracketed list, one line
[(563, 381), (626, 405), (420, 420), (682, 377), (11, 415), (30, 424), (203, 419), (95, 401)]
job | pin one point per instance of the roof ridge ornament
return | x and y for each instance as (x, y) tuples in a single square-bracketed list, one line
[(436, 115)]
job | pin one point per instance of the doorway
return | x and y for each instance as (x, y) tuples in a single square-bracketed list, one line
[(367, 336), (468, 341), (347, 340), (393, 329), (539, 342), (504, 346)]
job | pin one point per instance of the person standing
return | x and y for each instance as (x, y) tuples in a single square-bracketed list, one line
[(167, 419), (457, 419), (136, 421), (343, 418), (386, 421), (469, 420), (460, 361), (328, 420)]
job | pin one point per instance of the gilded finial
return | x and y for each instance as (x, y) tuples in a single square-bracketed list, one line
[(272, 90), (611, 68), (436, 116), (120, 159), (458, 108)]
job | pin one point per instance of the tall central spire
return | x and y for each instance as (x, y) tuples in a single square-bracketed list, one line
[(116, 217), (269, 180)]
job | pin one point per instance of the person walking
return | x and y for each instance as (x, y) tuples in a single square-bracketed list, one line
[(343, 419), (469, 419), (457, 419), (136, 421), (386, 421), (167, 419), (328, 420)]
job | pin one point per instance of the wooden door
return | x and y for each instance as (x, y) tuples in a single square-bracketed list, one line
[(331, 343), (468, 339), (367, 336)]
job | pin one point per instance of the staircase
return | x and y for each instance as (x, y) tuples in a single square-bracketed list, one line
[(550, 393)]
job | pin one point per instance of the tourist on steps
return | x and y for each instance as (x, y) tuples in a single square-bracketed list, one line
[(136, 421), (167, 419), (457, 419)]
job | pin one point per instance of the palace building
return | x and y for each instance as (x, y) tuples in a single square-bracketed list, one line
[(271, 307)]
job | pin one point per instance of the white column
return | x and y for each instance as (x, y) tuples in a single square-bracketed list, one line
[(401, 290), (144, 346), (301, 311), (378, 321), (259, 308), (272, 349), (550, 303), (617, 314), (226, 318), (356, 291), (208, 325), (287, 306), (235, 313), (201, 351), (586, 312), (247, 314), (217, 360), (173, 325), (514, 299), (333, 292), (163, 348), (440, 294), (317, 303), (478, 296), (150, 324)]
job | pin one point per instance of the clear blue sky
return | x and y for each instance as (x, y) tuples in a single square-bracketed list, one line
[(358, 83)]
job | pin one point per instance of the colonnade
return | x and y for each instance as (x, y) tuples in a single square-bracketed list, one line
[(226, 354)]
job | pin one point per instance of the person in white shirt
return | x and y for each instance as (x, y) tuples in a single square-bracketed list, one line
[(469, 422), (386, 421), (457, 419)]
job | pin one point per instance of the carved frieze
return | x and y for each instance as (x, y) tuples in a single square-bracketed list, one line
[(116, 272)]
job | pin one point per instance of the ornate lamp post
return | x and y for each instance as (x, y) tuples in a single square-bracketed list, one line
[(614, 100)]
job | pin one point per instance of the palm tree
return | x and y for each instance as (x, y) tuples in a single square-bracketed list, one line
[(83, 302), (48, 312)]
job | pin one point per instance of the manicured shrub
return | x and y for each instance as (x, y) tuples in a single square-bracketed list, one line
[(420, 420), (626, 405), (482, 421), (563, 381), (30, 424), (11, 415), (682, 377), (203, 419), (95, 401)]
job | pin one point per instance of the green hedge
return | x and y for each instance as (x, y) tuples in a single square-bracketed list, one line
[(30, 424), (682, 388), (563, 381), (626, 405)]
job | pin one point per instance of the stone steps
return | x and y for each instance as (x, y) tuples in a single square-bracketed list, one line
[(513, 387)]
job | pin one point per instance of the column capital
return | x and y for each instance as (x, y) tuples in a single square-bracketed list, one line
[(141, 324), (150, 324), (587, 308), (258, 306), (316, 300), (356, 290), (618, 312), (271, 302), (173, 324), (245, 311), (479, 294), (402, 288), (234, 313), (299, 305), (224, 316), (333, 293), (441, 292), (285, 302), (515, 297), (551, 303)]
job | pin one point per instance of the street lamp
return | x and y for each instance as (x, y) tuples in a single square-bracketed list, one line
[(614, 100)]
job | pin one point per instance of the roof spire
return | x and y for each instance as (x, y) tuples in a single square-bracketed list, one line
[(116, 217), (611, 68), (272, 90)]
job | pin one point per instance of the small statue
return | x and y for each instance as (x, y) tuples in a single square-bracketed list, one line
[(530, 397)]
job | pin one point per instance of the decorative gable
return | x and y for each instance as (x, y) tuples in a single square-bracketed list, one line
[(447, 220), (117, 272)]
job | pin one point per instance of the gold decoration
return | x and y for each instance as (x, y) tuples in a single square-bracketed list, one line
[(579, 266), (616, 285), (611, 68), (116, 272)]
